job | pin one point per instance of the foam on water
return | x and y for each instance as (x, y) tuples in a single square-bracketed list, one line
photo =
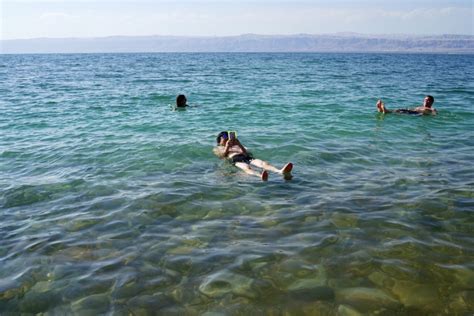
[(112, 202)]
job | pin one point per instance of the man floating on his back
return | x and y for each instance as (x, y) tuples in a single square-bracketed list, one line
[(425, 109)]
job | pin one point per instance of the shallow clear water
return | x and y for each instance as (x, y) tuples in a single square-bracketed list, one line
[(110, 202)]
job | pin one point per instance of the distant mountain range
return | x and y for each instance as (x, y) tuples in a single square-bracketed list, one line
[(339, 42)]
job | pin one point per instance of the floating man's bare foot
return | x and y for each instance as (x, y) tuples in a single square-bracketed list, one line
[(286, 171), (286, 168)]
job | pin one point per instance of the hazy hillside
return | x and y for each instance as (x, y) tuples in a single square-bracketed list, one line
[(342, 42)]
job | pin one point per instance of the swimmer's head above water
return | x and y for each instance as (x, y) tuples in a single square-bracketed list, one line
[(181, 101), (222, 138), (428, 101)]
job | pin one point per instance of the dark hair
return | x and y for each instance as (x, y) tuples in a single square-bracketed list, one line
[(430, 98), (221, 134), (181, 100)]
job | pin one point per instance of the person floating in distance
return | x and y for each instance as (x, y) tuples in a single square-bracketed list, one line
[(228, 146), (181, 101), (425, 109)]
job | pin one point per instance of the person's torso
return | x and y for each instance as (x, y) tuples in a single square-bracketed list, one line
[(234, 150)]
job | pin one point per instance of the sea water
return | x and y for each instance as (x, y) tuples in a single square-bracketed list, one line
[(112, 202)]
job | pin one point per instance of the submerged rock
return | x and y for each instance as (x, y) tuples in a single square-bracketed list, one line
[(465, 277), (181, 250), (414, 295), (26, 195), (214, 314), (9, 289), (149, 304), (344, 220), (37, 301), (381, 279), (186, 295), (295, 307), (344, 310), (306, 284), (98, 303), (214, 214), (270, 222), (295, 274), (461, 303), (310, 294), (366, 298), (81, 224), (226, 282)]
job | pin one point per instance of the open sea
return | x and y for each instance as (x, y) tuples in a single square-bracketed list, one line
[(111, 202)]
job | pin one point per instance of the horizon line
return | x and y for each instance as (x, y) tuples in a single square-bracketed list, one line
[(240, 35)]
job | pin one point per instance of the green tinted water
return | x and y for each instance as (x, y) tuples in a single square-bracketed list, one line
[(113, 203)]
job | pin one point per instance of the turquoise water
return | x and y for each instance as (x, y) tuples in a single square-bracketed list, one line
[(111, 202)]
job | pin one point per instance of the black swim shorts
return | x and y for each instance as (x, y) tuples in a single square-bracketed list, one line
[(241, 158), (406, 111)]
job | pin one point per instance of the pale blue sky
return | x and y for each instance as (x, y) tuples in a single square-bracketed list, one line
[(87, 18)]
